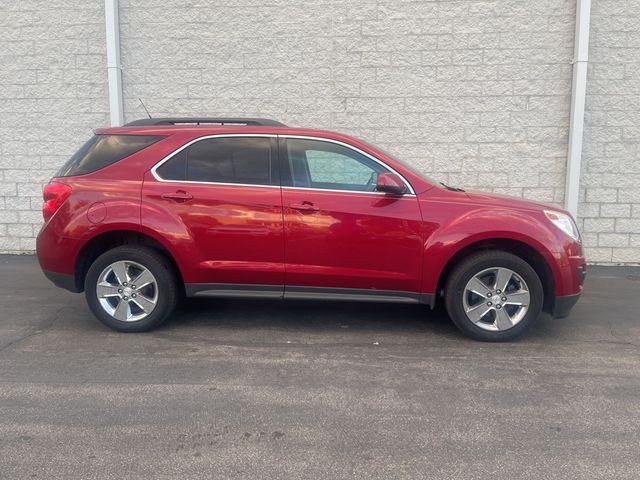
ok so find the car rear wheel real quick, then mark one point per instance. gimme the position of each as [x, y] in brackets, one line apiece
[131, 288]
[493, 296]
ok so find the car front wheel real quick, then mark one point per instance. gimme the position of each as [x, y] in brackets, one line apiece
[131, 288]
[493, 296]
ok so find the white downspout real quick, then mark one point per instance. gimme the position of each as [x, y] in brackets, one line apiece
[114, 68]
[578, 95]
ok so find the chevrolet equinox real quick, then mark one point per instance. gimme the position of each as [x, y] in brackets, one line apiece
[224, 207]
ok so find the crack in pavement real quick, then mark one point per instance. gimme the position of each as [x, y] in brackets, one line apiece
[38, 330]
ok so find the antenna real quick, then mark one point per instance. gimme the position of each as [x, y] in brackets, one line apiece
[145, 108]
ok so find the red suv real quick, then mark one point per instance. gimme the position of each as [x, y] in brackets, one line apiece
[225, 207]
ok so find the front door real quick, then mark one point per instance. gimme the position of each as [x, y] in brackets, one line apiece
[225, 193]
[339, 232]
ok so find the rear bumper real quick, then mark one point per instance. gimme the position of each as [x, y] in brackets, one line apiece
[62, 280]
[57, 257]
[563, 305]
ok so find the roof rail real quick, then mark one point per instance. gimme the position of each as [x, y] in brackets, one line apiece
[264, 122]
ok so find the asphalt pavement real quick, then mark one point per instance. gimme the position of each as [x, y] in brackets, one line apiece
[293, 390]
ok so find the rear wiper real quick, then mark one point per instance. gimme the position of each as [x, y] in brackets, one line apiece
[453, 189]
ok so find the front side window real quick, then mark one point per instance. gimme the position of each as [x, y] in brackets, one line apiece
[325, 165]
[242, 160]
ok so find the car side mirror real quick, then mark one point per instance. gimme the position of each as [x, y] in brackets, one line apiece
[390, 183]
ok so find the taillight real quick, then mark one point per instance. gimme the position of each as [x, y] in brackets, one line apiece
[54, 195]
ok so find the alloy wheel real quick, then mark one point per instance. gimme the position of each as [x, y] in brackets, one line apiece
[127, 291]
[496, 299]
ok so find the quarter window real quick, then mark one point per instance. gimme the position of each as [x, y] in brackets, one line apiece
[244, 160]
[103, 150]
[324, 165]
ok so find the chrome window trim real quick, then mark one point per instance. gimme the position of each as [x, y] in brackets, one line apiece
[168, 157]
[359, 192]
[223, 184]
[267, 135]
[355, 149]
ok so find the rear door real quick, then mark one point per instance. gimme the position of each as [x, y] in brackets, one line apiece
[225, 192]
[339, 232]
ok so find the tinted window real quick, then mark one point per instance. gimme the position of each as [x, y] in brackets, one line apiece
[175, 168]
[245, 160]
[318, 164]
[103, 150]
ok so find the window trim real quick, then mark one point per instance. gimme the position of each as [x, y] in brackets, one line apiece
[410, 191]
[155, 174]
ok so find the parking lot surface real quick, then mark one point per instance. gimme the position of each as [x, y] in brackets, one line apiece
[291, 390]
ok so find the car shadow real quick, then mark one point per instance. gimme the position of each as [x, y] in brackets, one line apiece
[307, 316]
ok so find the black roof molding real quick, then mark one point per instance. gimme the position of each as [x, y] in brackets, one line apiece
[262, 122]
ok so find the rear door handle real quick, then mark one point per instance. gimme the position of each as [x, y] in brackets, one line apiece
[304, 207]
[178, 196]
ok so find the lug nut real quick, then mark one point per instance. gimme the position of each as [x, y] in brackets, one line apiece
[497, 291]
[504, 299]
[125, 297]
[134, 295]
[119, 290]
[498, 306]
[133, 286]
[124, 284]
[489, 304]
[488, 294]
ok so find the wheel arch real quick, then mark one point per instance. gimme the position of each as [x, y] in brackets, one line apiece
[99, 244]
[525, 251]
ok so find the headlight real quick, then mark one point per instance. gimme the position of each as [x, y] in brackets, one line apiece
[564, 222]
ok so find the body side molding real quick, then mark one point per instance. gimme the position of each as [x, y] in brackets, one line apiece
[305, 293]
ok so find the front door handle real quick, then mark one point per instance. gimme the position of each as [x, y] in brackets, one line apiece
[178, 196]
[304, 207]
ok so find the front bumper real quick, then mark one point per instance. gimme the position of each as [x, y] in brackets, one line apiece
[572, 279]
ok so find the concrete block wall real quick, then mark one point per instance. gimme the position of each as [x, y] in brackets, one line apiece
[610, 178]
[53, 92]
[474, 92]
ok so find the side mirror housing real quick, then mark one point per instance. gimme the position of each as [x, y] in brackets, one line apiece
[390, 183]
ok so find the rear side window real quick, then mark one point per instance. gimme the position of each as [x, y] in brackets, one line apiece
[103, 150]
[242, 160]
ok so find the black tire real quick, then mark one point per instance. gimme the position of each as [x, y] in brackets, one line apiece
[160, 268]
[467, 269]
